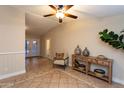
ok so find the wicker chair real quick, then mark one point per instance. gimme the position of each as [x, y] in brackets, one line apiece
[61, 59]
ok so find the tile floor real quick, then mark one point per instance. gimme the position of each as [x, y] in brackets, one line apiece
[41, 74]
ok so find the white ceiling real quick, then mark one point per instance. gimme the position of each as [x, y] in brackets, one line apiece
[37, 24]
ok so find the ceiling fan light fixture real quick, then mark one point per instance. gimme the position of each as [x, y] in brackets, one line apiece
[60, 14]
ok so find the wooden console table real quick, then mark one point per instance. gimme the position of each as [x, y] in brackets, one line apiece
[94, 60]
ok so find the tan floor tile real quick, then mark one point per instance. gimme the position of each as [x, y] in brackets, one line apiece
[22, 85]
[34, 84]
[63, 85]
[63, 81]
[39, 79]
[41, 74]
[53, 85]
[72, 86]
[44, 85]
[84, 86]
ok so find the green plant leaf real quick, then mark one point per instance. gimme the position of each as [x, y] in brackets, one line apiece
[122, 31]
[115, 36]
[102, 38]
[105, 30]
[111, 33]
[100, 33]
[121, 37]
[122, 45]
[112, 39]
[106, 36]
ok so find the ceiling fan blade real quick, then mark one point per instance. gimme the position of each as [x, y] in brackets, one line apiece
[53, 7]
[70, 15]
[60, 20]
[67, 7]
[48, 15]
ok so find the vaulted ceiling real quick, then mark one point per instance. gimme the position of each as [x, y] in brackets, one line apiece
[37, 24]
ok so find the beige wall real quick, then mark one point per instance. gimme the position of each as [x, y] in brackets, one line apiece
[32, 37]
[12, 41]
[85, 33]
[28, 36]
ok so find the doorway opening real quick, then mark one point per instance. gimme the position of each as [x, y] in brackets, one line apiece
[32, 47]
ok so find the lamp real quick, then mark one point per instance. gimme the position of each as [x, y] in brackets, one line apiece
[60, 14]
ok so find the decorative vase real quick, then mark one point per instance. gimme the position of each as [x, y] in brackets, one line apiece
[86, 52]
[77, 50]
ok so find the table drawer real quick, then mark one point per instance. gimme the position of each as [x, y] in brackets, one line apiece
[100, 62]
[106, 63]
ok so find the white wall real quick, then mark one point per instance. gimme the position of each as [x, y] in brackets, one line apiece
[85, 33]
[12, 41]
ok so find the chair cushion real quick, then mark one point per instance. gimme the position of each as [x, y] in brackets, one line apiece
[59, 62]
[59, 55]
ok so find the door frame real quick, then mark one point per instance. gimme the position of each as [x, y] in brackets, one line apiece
[30, 47]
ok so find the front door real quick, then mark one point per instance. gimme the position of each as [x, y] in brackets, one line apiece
[32, 47]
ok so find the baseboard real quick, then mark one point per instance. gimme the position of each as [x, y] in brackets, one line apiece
[33, 56]
[118, 81]
[12, 74]
[6, 53]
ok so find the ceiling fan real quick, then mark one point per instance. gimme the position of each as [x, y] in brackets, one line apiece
[60, 12]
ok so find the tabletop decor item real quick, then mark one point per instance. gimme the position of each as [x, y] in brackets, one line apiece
[78, 50]
[86, 52]
[99, 72]
[101, 57]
